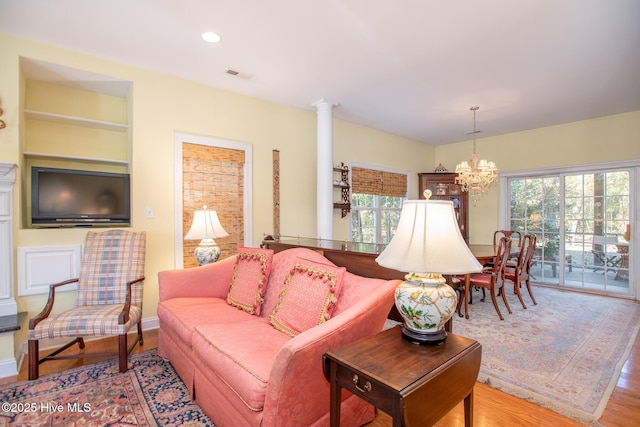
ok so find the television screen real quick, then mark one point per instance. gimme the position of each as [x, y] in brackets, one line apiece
[78, 197]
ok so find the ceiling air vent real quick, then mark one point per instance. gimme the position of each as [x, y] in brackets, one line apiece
[239, 74]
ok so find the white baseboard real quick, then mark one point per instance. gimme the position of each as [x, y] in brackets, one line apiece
[150, 323]
[147, 324]
[8, 368]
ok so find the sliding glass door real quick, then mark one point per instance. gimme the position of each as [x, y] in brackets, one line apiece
[596, 220]
[582, 223]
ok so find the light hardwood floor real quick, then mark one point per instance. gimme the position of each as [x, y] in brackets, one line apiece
[491, 407]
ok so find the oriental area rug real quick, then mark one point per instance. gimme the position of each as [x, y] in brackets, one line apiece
[149, 394]
[565, 354]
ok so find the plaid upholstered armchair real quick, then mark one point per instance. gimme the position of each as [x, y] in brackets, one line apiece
[108, 302]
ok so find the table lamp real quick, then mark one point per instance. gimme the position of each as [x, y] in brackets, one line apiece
[427, 244]
[206, 227]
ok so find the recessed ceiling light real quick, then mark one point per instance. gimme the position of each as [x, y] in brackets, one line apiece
[211, 37]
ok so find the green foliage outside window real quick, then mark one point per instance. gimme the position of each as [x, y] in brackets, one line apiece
[590, 211]
[374, 218]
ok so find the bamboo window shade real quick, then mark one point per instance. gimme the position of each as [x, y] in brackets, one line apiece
[382, 183]
[213, 176]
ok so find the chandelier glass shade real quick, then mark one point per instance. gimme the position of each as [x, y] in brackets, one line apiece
[478, 175]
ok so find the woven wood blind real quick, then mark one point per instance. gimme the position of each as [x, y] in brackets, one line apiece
[381, 183]
[213, 176]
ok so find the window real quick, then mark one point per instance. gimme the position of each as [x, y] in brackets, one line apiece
[582, 221]
[376, 203]
[216, 173]
[213, 176]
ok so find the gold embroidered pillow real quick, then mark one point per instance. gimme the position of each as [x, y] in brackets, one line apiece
[309, 296]
[249, 281]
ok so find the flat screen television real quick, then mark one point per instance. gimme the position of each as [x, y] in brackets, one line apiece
[67, 197]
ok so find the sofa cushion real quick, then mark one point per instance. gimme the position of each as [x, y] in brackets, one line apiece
[182, 315]
[283, 262]
[249, 281]
[242, 355]
[310, 293]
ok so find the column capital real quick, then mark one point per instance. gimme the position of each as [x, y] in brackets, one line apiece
[324, 104]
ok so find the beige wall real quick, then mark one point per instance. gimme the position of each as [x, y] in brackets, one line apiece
[162, 106]
[604, 139]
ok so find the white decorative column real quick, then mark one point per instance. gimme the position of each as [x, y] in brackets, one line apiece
[8, 304]
[324, 163]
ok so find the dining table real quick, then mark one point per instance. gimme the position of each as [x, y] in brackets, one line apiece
[483, 253]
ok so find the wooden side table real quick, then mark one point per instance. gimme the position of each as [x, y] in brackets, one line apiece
[415, 384]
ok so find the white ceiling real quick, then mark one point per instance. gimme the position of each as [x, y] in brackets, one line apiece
[408, 67]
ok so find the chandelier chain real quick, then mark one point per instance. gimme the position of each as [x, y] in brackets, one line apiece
[474, 109]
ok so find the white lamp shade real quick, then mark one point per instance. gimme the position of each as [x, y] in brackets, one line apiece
[428, 240]
[463, 167]
[205, 225]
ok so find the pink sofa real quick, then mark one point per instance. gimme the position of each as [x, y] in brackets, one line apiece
[243, 371]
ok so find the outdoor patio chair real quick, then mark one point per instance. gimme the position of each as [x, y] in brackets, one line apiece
[108, 301]
[610, 261]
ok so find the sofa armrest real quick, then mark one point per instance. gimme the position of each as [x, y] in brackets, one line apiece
[212, 280]
[298, 390]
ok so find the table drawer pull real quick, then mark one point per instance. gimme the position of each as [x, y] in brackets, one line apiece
[367, 385]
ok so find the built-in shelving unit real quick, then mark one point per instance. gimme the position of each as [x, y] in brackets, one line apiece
[73, 119]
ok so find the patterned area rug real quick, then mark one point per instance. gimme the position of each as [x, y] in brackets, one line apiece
[565, 353]
[150, 393]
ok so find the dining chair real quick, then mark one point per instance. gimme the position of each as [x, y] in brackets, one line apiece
[520, 273]
[458, 285]
[513, 235]
[108, 300]
[516, 241]
[493, 279]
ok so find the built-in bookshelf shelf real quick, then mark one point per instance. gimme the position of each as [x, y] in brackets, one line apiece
[75, 121]
[31, 155]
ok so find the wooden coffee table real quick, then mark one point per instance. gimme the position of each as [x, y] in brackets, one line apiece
[415, 384]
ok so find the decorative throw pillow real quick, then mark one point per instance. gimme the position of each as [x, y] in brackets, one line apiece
[249, 281]
[309, 296]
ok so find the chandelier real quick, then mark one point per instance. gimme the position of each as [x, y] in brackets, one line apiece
[476, 176]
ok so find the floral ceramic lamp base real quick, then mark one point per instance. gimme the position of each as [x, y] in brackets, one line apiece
[426, 303]
[207, 252]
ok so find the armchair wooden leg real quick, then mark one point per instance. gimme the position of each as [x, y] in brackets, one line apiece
[34, 371]
[140, 339]
[123, 352]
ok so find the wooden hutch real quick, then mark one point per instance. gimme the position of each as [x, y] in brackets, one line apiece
[443, 186]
